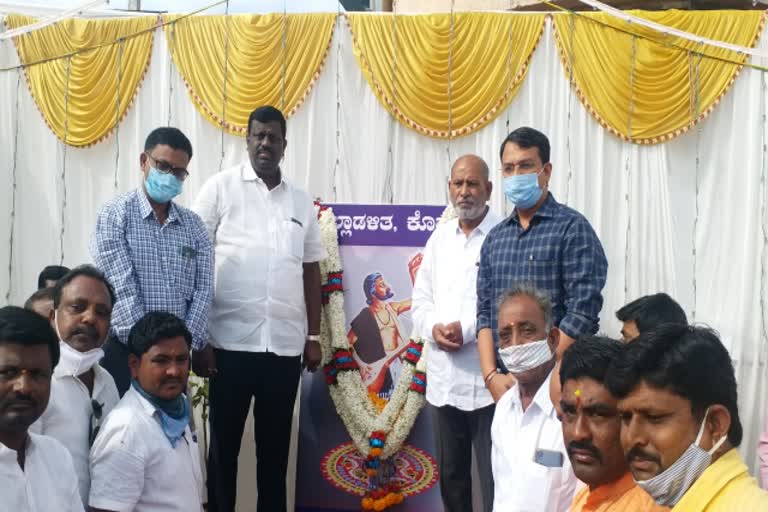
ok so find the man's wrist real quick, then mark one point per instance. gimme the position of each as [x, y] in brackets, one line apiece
[313, 337]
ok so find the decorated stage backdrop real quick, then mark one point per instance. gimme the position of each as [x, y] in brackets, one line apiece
[380, 248]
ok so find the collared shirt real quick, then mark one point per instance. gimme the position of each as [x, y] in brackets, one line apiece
[521, 484]
[48, 481]
[558, 253]
[623, 494]
[135, 468]
[154, 267]
[68, 417]
[262, 238]
[725, 486]
[444, 292]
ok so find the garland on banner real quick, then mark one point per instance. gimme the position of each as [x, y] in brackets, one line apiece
[377, 429]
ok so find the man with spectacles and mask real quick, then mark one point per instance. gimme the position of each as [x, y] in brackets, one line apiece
[156, 253]
[544, 243]
[530, 469]
[81, 391]
[680, 421]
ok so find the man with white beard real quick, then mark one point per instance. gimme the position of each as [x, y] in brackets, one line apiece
[530, 469]
[444, 302]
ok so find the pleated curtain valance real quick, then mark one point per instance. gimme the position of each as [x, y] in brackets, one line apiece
[271, 59]
[645, 86]
[445, 76]
[83, 97]
[442, 75]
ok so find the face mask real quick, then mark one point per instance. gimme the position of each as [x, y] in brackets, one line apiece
[669, 486]
[523, 190]
[521, 358]
[73, 362]
[161, 187]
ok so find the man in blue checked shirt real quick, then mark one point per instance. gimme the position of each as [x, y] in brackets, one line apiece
[542, 243]
[156, 253]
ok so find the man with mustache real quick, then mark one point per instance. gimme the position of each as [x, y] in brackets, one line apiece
[648, 312]
[591, 427]
[680, 421]
[377, 335]
[266, 310]
[145, 458]
[530, 469]
[36, 472]
[82, 392]
[444, 302]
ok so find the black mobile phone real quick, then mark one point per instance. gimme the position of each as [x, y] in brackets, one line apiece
[548, 458]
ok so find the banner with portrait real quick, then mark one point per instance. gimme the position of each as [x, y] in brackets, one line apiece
[380, 248]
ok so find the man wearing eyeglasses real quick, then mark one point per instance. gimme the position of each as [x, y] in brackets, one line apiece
[156, 253]
[81, 391]
[544, 243]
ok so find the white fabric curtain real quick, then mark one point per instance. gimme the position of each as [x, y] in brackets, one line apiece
[667, 224]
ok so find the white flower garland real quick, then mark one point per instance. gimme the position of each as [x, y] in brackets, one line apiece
[377, 434]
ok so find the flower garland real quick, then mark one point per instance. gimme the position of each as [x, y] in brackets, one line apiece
[377, 432]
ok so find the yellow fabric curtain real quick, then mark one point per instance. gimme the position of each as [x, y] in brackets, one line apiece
[83, 109]
[658, 86]
[441, 82]
[258, 70]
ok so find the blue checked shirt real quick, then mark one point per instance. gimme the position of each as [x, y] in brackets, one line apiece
[559, 253]
[153, 267]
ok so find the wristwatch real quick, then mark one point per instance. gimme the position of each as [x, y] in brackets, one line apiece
[313, 337]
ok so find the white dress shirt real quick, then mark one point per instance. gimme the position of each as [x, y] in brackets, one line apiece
[134, 468]
[47, 483]
[444, 292]
[68, 416]
[261, 239]
[520, 484]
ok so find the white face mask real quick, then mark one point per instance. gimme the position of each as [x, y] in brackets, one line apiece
[521, 358]
[74, 362]
[669, 486]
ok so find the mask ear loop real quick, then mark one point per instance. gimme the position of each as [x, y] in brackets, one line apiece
[719, 442]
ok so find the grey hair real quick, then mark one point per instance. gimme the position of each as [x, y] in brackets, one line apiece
[540, 296]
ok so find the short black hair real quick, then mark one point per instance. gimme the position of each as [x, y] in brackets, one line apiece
[267, 114]
[689, 361]
[651, 311]
[41, 294]
[153, 327]
[590, 357]
[526, 137]
[81, 270]
[25, 327]
[50, 273]
[168, 136]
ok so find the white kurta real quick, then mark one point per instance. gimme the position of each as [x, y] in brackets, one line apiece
[520, 484]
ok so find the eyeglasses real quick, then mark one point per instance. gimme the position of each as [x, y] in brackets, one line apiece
[97, 409]
[526, 167]
[164, 167]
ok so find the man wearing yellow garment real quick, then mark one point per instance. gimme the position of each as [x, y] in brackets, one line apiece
[680, 422]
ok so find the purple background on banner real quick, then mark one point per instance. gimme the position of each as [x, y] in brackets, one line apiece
[385, 224]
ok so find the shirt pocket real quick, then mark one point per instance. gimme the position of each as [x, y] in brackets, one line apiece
[184, 268]
[540, 263]
[291, 239]
[537, 482]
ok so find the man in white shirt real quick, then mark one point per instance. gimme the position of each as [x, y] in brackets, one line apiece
[530, 469]
[36, 472]
[145, 458]
[266, 310]
[82, 392]
[444, 301]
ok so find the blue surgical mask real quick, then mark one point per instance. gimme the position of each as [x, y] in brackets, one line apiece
[161, 187]
[523, 190]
